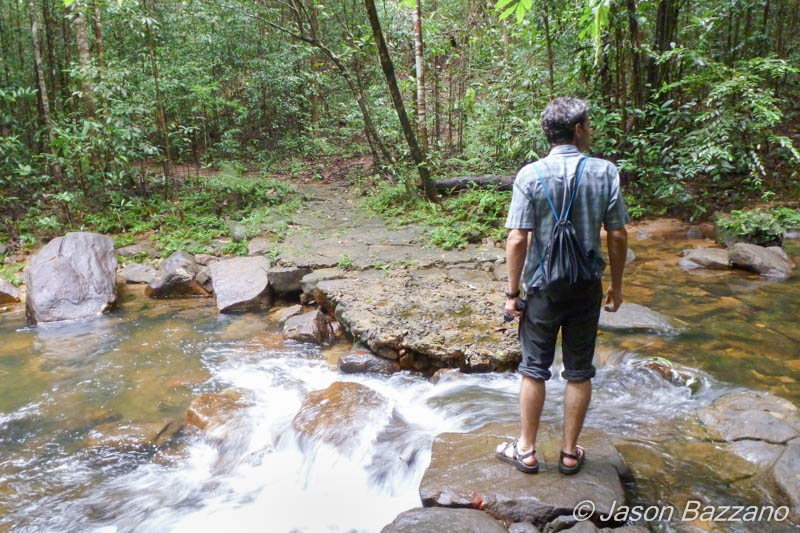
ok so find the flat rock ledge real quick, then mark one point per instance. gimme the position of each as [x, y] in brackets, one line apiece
[465, 473]
[425, 319]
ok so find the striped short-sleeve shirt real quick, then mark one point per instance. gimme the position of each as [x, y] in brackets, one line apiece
[598, 202]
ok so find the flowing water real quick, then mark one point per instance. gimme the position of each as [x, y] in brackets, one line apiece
[62, 386]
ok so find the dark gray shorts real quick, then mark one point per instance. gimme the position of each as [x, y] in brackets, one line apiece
[577, 319]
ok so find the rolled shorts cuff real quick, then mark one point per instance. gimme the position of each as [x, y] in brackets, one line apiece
[578, 375]
[535, 372]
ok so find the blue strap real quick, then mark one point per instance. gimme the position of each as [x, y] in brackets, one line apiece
[575, 189]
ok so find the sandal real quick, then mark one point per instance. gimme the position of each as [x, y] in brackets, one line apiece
[517, 460]
[564, 469]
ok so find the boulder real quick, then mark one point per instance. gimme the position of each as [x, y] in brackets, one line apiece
[139, 248]
[204, 279]
[205, 259]
[786, 475]
[258, 246]
[241, 283]
[72, 277]
[9, 294]
[209, 412]
[751, 415]
[284, 313]
[439, 519]
[314, 326]
[286, 280]
[762, 260]
[464, 472]
[308, 283]
[714, 258]
[361, 361]
[632, 317]
[138, 273]
[175, 278]
[337, 415]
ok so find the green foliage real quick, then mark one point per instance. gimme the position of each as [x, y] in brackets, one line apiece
[760, 226]
[345, 262]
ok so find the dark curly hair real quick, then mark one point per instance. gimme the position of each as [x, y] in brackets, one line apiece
[560, 117]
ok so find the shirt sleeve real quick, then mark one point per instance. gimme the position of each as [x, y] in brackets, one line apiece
[616, 213]
[520, 213]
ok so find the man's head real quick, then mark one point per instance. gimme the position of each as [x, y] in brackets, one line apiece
[566, 121]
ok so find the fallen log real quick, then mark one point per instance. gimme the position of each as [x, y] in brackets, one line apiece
[503, 183]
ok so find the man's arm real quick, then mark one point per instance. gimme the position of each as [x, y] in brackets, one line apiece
[516, 249]
[617, 253]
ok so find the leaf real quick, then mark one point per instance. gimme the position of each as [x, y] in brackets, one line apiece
[501, 4]
[520, 13]
[507, 12]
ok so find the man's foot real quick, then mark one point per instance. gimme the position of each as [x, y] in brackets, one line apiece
[522, 459]
[570, 463]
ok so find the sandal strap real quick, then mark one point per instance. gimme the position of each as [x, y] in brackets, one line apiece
[524, 455]
[570, 455]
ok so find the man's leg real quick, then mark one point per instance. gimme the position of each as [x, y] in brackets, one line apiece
[577, 396]
[531, 403]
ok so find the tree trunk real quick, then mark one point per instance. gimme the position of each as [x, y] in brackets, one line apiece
[397, 100]
[636, 59]
[160, 114]
[51, 60]
[6, 53]
[84, 60]
[765, 29]
[66, 82]
[548, 38]
[37, 59]
[420, 68]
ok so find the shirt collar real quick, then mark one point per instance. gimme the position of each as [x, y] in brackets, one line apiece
[564, 149]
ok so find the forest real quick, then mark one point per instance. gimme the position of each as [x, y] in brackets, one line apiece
[181, 117]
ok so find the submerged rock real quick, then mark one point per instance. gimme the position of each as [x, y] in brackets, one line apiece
[284, 313]
[765, 261]
[337, 415]
[9, 294]
[314, 326]
[213, 412]
[439, 519]
[714, 258]
[632, 316]
[175, 278]
[241, 283]
[73, 276]
[139, 273]
[465, 473]
[129, 436]
[752, 415]
[361, 361]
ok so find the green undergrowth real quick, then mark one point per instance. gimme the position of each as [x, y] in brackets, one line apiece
[470, 216]
[196, 214]
[759, 226]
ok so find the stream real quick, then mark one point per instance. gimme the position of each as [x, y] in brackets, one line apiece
[146, 361]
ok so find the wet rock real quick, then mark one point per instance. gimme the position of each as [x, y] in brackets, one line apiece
[761, 260]
[314, 326]
[241, 283]
[588, 527]
[139, 248]
[204, 279]
[338, 414]
[464, 472]
[258, 246]
[436, 320]
[9, 294]
[285, 280]
[782, 253]
[205, 259]
[175, 278]
[793, 235]
[522, 527]
[694, 232]
[129, 436]
[632, 317]
[284, 313]
[443, 375]
[139, 273]
[208, 412]
[73, 276]
[361, 361]
[439, 519]
[752, 415]
[714, 258]
[786, 475]
[760, 453]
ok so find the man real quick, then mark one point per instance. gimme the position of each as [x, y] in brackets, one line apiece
[597, 201]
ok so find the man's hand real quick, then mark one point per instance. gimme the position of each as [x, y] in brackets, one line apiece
[511, 308]
[614, 297]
